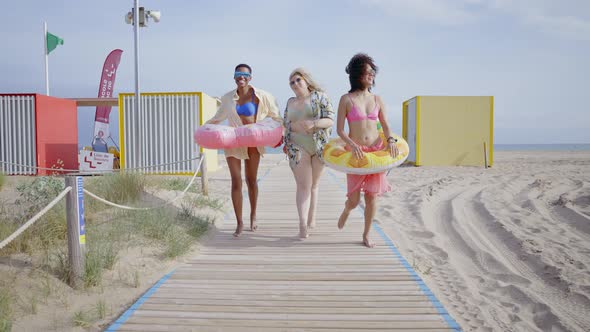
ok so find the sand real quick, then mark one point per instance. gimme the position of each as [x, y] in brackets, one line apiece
[504, 249]
[42, 302]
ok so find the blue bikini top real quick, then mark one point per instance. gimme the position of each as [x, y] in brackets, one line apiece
[247, 109]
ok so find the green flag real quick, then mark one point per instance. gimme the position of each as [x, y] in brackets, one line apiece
[52, 42]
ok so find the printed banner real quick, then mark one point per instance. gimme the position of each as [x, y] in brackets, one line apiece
[105, 90]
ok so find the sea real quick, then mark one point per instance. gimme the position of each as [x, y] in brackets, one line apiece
[497, 147]
[542, 147]
[506, 147]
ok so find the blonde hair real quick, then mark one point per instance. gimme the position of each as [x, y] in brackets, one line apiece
[312, 85]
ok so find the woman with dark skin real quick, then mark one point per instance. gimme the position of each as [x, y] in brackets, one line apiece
[245, 105]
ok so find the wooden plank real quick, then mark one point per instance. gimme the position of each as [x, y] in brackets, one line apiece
[290, 316]
[229, 308]
[333, 284]
[295, 270]
[283, 285]
[170, 292]
[152, 327]
[271, 280]
[96, 101]
[287, 323]
[287, 277]
[268, 296]
[288, 303]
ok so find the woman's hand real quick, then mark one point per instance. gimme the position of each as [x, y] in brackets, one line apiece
[393, 150]
[357, 152]
[302, 127]
[309, 126]
[297, 127]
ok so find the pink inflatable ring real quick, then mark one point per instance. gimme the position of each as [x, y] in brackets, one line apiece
[267, 132]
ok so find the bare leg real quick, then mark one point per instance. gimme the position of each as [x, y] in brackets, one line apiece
[251, 170]
[351, 203]
[317, 168]
[235, 170]
[370, 209]
[303, 178]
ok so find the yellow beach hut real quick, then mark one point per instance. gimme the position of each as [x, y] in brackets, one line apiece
[449, 130]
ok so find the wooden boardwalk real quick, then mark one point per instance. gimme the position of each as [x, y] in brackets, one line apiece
[271, 280]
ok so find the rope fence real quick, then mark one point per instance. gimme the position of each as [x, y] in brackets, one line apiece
[147, 208]
[98, 171]
[35, 218]
[75, 207]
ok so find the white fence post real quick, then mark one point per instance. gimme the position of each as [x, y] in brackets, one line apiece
[76, 229]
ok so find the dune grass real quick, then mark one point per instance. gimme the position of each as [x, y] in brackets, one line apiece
[118, 188]
[49, 231]
[5, 309]
[173, 230]
[172, 183]
[170, 231]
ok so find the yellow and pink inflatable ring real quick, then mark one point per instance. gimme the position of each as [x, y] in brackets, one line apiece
[337, 157]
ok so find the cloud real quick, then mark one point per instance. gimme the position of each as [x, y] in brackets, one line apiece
[568, 19]
[442, 12]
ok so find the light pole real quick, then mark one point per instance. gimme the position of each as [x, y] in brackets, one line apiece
[141, 16]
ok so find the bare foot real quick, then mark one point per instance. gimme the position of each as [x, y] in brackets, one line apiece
[368, 243]
[303, 232]
[342, 219]
[253, 226]
[238, 230]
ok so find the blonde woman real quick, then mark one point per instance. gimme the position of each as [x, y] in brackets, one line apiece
[244, 105]
[308, 120]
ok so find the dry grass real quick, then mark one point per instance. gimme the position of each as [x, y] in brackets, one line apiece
[170, 231]
[6, 300]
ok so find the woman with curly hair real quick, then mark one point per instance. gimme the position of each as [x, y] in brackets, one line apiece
[308, 119]
[363, 109]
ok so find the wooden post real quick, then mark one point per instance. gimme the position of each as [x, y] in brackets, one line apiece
[76, 229]
[485, 155]
[204, 179]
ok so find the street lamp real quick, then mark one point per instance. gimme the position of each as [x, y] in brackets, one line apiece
[139, 14]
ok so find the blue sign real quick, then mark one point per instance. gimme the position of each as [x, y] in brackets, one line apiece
[80, 191]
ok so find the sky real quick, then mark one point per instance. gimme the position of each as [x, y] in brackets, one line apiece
[531, 55]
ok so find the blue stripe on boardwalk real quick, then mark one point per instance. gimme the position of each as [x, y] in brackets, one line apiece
[137, 304]
[439, 307]
[152, 290]
[115, 326]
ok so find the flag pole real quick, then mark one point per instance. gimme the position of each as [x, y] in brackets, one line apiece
[46, 59]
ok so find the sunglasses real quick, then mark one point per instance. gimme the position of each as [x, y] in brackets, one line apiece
[297, 80]
[239, 74]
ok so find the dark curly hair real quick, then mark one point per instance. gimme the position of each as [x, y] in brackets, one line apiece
[243, 65]
[356, 68]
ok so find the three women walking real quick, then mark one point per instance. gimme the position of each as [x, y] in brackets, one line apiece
[308, 119]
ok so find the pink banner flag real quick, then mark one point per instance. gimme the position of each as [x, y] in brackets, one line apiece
[105, 90]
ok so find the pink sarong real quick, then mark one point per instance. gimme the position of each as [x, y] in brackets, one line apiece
[375, 184]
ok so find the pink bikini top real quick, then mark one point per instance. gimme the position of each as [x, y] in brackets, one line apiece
[355, 114]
